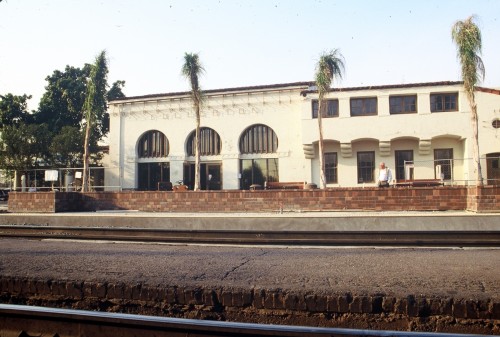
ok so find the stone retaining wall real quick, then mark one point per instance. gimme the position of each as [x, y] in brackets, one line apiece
[485, 199]
[276, 306]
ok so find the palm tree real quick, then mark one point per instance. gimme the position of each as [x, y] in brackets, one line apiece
[95, 104]
[191, 69]
[329, 67]
[467, 36]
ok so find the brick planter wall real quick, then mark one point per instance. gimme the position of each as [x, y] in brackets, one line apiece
[485, 199]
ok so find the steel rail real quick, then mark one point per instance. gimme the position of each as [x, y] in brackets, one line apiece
[254, 237]
[27, 321]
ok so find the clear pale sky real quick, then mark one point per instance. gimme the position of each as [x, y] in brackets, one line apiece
[240, 43]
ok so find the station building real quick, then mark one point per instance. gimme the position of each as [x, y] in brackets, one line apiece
[253, 135]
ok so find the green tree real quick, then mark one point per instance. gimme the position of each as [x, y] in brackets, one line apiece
[24, 146]
[467, 37]
[14, 110]
[94, 108]
[66, 147]
[116, 90]
[329, 67]
[61, 104]
[192, 69]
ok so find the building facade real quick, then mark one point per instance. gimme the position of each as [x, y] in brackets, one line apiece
[254, 135]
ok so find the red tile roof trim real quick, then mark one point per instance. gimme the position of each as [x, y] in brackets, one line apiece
[488, 90]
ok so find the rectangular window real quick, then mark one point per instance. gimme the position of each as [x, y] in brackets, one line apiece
[366, 167]
[403, 158]
[364, 106]
[258, 171]
[403, 104]
[331, 167]
[443, 163]
[330, 108]
[444, 102]
[150, 174]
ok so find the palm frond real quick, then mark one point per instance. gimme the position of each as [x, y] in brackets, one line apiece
[329, 67]
[467, 37]
[192, 69]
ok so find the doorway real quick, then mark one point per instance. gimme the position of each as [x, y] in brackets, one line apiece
[402, 157]
[493, 169]
[210, 176]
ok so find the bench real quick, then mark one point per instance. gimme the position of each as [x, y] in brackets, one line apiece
[418, 182]
[277, 185]
[180, 188]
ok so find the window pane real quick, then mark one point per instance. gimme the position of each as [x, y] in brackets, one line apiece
[443, 158]
[153, 144]
[403, 104]
[258, 139]
[395, 105]
[331, 108]
[272, 169]
[331, 167]
[363, 106]
[356, 107]
[444, 102]
[402, 157]
[315, 107]
[366, 166]
[210, 144]
[258, 171]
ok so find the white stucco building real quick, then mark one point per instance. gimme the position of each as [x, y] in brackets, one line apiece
[270, 133]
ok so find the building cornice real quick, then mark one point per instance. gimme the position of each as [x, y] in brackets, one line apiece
[215, 92]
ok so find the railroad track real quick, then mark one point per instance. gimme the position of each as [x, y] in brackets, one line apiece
[39, 321]
[250, 237]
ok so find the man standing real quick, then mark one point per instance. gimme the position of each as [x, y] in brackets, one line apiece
[384, 176]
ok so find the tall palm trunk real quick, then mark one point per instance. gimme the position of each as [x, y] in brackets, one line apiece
[86, 156]
[330, 66]
[191, 69]
[475, 137]
[95, 101]
[320, 144]
[467, 36]
[197, 150]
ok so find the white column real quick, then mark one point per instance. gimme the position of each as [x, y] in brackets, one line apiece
[231, 174]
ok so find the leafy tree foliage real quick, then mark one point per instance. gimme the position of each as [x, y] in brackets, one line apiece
[25, 146]
[61, 107]
[116, 90]
[67, 146]
[62, 103]
[14, 110]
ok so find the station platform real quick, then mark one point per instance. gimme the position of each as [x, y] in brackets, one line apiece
[289, 221]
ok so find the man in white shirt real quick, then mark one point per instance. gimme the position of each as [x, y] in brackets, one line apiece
[384, 176]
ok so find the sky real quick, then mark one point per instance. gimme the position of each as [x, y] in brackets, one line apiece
[240, 43]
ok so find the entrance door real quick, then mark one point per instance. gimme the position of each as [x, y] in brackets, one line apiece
[150, 174]
[493, 168]
[403, 156]
[214, 177]
[210, 176]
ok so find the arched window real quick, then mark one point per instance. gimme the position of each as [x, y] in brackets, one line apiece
[153, 144]
[210, 144]
[258, 138]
